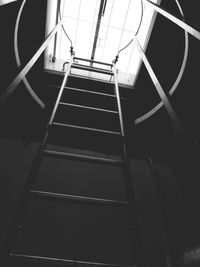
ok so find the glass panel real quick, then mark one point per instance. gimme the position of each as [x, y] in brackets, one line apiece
[105, 20]
[107, 47]
[118, 25]
[71, 8]
[119, 13]
[82, 44]
[79, 22]
[133, 16]
[88, 10]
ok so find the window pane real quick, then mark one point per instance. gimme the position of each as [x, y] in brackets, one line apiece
[126, 54]
[71, 8]
[89, 10]
[70, 27]
[133, 16]
[119, 13]
[83, 39]
[107, 48]
[118, 25]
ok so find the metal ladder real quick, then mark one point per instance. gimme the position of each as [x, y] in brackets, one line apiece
[29, 191]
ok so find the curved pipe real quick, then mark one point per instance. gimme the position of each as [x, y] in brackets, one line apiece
[17, 58]
[178, 79]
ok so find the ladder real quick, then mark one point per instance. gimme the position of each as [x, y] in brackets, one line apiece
[98, 205]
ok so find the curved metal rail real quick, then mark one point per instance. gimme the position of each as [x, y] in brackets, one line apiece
[18, 61]
[21, 75]
[178, 79]
[174, 19]
[171, 112]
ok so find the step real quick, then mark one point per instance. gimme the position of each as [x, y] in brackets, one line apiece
[91, 84]
[89, 91]
[93, 69]
[92, 79]
[79, 199]
[86, 91]
[87, 107]
[99, 100]
[62, 262]
[82, 138]
[85, 128]
[87, 116]
[83, 157]
[83, 90]
[93, 61]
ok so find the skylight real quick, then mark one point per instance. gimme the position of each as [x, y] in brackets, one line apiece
[98, 30]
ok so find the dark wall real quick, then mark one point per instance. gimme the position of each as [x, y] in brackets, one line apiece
[165, 51]
[20, 111]
[156, 135]
[87, 232]
[31, 35]
[16, 159]
[65, 229]
[8, 15]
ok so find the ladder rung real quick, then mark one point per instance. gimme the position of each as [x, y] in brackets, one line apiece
[84, 91]
[83, 157]
[93, 61]
[87, 107]
[62, 262]
[90, 78]
[85, 128]
[88, 91]
[88, 68]
[79, 199]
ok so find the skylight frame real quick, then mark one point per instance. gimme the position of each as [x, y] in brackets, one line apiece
[129, 79]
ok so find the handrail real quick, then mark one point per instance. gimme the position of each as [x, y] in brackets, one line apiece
[12, 86]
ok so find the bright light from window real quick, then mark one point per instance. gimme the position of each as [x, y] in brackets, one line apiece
[119, 23]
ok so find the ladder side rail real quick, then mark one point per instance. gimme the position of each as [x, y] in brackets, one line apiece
[125, 157]
[126, 168]
[26, 192]
[61, 90]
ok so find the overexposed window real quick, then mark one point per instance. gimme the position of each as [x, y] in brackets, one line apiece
[119, 21]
